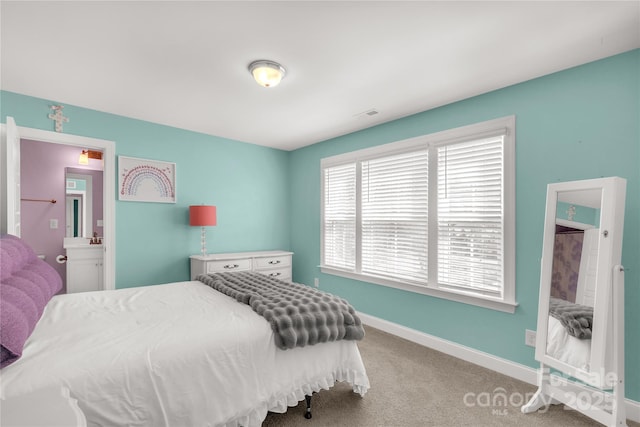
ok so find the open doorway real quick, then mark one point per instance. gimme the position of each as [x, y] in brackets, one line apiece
[51, 172]
[50, 221]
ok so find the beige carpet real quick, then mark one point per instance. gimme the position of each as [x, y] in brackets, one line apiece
[415, 386]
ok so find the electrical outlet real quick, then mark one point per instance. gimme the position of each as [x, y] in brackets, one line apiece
[316, 282]
[53, 224]
[530, 338]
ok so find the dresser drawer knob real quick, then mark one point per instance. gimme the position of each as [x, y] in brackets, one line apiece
[274, 262]
[229, 266]
[275, 274]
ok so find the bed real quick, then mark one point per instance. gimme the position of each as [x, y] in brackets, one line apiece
[172, 354]
[566, 348]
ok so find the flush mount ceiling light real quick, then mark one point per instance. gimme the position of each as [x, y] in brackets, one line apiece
[267, 73]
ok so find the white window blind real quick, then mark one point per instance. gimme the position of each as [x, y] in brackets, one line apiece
[340, 216]
[434, 214]
[470, 216]
[394, 216]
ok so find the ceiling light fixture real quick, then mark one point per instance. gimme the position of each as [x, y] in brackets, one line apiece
[267, 73]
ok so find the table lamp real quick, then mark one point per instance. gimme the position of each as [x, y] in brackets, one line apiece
[202, 216]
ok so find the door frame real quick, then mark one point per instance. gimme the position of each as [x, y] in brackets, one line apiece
[109, 218]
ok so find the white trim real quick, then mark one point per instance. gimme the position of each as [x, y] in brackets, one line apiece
[480, 358]
[437, 292]
[486, 360]
[509, 204]
[480, 130]
[109, 170]
[573, 224]
[397, 147]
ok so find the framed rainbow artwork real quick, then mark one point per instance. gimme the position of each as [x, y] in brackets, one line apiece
[141, 180]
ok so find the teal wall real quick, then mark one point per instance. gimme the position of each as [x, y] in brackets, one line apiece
[248, 183]
[81, 184]
[576, 124]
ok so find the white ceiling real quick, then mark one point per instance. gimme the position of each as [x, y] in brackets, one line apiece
[184, 64]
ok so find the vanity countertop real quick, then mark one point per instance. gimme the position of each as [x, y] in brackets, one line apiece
[79, 242]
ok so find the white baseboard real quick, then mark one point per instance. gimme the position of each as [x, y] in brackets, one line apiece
[480, 358]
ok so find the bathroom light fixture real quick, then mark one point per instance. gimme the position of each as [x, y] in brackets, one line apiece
[267, 73]
[202, 216]
[84, 158]
[89, 154]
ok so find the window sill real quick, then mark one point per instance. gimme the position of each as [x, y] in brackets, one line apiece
[507, 307]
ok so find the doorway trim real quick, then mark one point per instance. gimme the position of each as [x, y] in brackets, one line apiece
[108, 183]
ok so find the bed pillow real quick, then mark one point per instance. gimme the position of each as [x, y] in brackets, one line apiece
[27, 283]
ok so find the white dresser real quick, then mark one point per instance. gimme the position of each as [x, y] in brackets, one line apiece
[272, 263]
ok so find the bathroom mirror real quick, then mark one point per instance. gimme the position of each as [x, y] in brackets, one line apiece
[83, 207]
[78, 205]
[582, 244]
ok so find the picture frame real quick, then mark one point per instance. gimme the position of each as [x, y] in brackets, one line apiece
[144, 180]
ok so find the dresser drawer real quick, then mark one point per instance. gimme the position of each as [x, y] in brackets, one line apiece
[278, 273]
[272, 262]
[225, 266]
[275, 263]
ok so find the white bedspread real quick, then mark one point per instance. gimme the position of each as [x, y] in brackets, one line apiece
[179, 354]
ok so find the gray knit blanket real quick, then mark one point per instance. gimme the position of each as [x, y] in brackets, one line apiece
[577, 319]
[299, 315]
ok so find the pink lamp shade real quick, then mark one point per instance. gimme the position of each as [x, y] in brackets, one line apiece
[202, 216]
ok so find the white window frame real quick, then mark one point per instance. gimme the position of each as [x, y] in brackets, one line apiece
[504, 125]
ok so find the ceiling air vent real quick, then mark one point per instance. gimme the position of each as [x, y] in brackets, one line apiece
[369, 113]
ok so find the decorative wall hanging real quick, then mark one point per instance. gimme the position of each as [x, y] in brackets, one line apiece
[57, 117]
[141, 180]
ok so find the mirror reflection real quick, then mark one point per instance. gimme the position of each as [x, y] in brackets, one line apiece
[573, 279]
[580, 343]
[83, 205]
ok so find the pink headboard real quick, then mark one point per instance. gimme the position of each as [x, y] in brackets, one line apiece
[27, 283]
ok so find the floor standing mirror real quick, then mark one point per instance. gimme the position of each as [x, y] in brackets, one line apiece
[580, 332]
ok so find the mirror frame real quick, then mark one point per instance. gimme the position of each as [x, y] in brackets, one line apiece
[609, 255]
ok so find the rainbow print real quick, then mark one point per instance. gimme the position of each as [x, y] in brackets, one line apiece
[146, 180]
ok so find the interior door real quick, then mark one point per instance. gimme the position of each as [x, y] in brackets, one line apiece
[12, 144]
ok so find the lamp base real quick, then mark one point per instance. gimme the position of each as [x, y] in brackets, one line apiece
[203, 242]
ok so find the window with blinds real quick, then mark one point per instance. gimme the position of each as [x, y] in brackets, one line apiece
[339, 225]
[470, 216]
[394, 216]
[432, 215]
